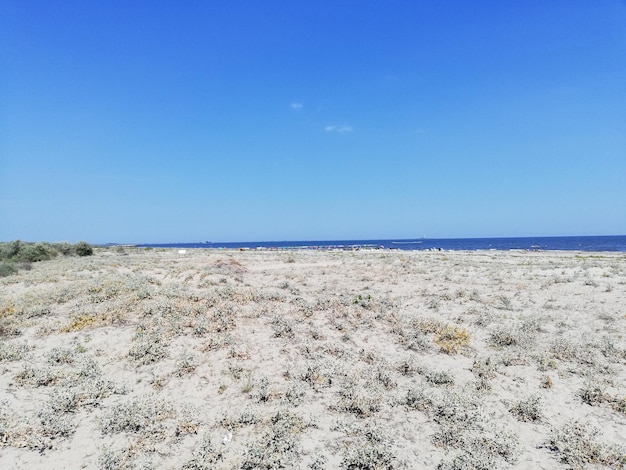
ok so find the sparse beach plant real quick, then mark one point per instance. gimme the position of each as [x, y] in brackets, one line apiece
[408, 367]
[440, 378]
[593, 393]
[11, 351]
[205, 455]
[577, 446]
[148, 347]
[564, 349]
[468, 461]
[317, 374]
[361, 401]
[505, 336]
[60, 355]
[137, 415]
[451, 339]
[481, 444]
[110, 459]
[455, 406]
[528, 410]
[185, 365]
[262, 392]
[485, 368]
[318, 463]
[545, 381]
[278, 446]
[283, 327]
[371, 450]
[37, 377]
[294, 395]
[619, 404]
[426, 325]
[418, 399]
[249, 382]
[385, 377]
[503, 302]
[54, 423]
[80, 322]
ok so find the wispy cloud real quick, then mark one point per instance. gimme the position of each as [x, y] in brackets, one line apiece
[296, 105]
[338, 129]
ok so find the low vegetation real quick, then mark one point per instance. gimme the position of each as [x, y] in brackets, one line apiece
[18, 255]
[141, 359]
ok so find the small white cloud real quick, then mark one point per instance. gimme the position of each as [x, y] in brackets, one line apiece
[296, 105]
[338, 129]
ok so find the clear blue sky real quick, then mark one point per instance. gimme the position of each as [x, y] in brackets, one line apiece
[163, 121]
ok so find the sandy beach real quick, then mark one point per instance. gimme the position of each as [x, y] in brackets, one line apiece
[209, 359]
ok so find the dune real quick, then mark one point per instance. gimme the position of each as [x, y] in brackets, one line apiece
[217, 359]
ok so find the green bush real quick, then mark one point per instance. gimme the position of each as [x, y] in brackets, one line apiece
[10, 250]
[83, 249]
[6, 269]
[18, 251]
[18, 255]
[36, 252]
[64, 248]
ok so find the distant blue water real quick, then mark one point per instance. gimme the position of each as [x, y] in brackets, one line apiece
[599, 243]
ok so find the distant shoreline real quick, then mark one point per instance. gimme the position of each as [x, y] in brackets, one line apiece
[607, 243]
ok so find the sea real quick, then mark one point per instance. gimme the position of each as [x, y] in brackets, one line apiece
[585, 243]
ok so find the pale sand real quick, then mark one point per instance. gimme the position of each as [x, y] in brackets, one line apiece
[314, 360]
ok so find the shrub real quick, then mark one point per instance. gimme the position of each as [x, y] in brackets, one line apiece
[484, 368]
[278, 447]
[116, 460]
[362, 401]
[148, 347]
[55, 424]
[593, 394]
[10, 250]
[205, 456]
[7, 268]
[37, 377]
[59, 355]
[369, 452]
[185, 364]
[527, 410]
[24, 253]
[139, 415]
[283, 327]
[466, 460]
[83, 249]
[440, 378]
[35, 252]
[619, 404]
[64, 248]
[317, 375]
[417, 399]
[13, 351]
[577, 446]
[456, 407]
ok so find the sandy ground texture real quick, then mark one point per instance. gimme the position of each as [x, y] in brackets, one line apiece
[140, 359]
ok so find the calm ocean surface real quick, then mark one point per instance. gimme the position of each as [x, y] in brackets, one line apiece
[600, 243]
